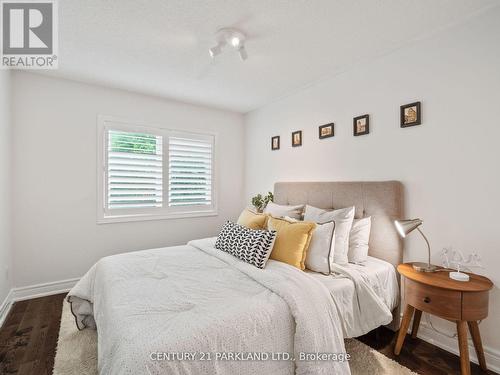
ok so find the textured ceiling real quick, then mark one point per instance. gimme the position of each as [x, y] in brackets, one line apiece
[159, 47]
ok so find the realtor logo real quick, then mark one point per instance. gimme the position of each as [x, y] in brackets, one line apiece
[29, 34]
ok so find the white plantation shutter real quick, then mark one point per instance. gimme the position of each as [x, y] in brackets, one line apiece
[134, 170]
[153, 173]
[190, 171]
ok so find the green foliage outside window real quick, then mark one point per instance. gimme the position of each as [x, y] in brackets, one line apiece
[137, 143]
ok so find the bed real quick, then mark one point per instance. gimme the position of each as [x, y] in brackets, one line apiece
[193, 309]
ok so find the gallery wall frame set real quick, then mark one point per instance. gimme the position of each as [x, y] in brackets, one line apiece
[410, 115]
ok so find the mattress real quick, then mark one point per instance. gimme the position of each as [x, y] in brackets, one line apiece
[379, 274]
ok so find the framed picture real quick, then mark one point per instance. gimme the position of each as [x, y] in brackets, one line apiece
[275, 143]
[361, 125]
[411, 115]
[326, 131]
[297, 138]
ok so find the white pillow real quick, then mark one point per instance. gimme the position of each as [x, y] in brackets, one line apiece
[343, 222]
[278, 210]
[321, 249]
[320, 253]
[358, 240]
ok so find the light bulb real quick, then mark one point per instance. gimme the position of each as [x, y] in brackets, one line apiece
[235, 41]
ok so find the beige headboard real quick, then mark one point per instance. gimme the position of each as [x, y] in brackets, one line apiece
[383, 201]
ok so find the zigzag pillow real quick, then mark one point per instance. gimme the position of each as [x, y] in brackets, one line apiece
[249, 245]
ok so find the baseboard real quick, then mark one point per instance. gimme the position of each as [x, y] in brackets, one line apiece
[426, 333]
[5, 307]
[34, 291]
[42, 290]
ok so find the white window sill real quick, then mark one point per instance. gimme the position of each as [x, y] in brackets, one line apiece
[149, 217]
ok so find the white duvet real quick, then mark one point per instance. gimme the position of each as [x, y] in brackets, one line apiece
[364, 310]
[202, 311]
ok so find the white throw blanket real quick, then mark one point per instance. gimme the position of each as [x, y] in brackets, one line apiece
[193, 299]
[368, 310]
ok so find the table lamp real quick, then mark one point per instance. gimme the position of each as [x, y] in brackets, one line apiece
[404, 227]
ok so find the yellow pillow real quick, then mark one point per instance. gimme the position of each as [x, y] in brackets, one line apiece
[252, 220]
[292, 240]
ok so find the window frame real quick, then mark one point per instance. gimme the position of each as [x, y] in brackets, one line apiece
[106, 216]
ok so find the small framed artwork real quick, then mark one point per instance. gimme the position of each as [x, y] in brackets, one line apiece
[275, 143]
[410, 115]
[297, 138]
[326, 131]
[361, 125]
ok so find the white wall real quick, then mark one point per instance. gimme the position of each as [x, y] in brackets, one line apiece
[5, 161]
[55, 234]
[449, 165]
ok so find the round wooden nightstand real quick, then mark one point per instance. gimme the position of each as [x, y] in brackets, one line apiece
[462, 302]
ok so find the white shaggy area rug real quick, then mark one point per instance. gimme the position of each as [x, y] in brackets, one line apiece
[77, 353]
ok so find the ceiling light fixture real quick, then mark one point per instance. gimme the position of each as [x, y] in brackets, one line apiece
[232, 37]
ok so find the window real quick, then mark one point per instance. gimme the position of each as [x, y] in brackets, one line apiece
[150, 173]
[190, 172]
[134, 170]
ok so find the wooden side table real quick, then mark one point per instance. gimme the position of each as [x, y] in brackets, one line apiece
[461, 302]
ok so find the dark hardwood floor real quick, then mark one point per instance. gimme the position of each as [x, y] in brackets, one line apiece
[28, 337]
[418, 355]
[28, 340]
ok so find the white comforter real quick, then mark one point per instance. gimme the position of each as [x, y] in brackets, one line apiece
[188, 300]
[365, 310]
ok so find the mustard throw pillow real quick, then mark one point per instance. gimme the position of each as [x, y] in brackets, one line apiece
[252, 220]
[292, 240]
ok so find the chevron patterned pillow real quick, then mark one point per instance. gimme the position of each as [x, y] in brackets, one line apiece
[249, 245]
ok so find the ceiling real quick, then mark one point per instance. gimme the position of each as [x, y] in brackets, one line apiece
[160, 47]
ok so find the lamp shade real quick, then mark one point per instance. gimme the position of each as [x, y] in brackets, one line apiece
[406, 226]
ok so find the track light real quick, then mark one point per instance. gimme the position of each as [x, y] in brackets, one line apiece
[243, 53]
[214, 51]
[229, 37]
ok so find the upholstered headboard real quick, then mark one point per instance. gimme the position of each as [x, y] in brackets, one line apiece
[383, 201]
